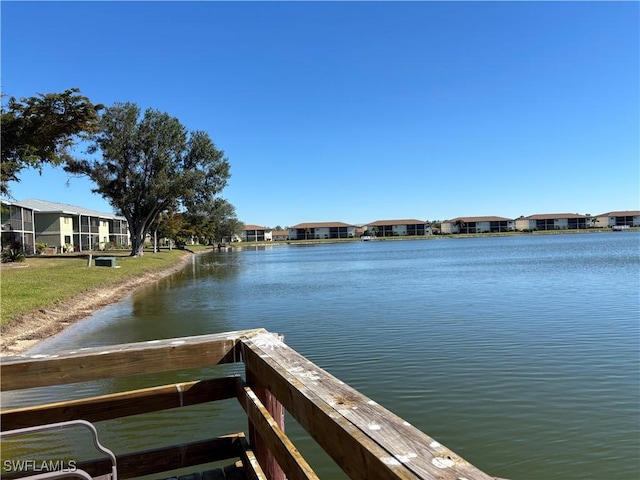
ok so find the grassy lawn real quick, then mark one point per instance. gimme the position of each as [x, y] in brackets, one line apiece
[40, 282]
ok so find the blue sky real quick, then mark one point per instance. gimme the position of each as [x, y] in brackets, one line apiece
[360, 111]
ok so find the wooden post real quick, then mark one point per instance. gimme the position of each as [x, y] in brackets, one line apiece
[265, 458]
[367, 441]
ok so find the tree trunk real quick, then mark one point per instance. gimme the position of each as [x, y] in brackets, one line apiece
[137, 242]
[138, 228]
[155, 240]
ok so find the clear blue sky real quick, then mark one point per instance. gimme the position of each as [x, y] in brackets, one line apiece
[360, 111]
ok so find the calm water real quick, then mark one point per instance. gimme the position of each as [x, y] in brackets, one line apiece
[522, 354]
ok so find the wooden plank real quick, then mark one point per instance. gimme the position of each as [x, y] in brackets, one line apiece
[235, 471]
[170, 458]
[265, 456]
[117, 405]
[95, 363]
[358, 455]
[163, 459]
[252, 468]
[290, 460]
[320, 402]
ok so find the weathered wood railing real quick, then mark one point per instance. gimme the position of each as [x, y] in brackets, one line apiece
[367, 441]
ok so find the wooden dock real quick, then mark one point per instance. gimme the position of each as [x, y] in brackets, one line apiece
[367, 441]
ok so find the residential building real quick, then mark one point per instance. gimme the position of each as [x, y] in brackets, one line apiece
[629, 218]
[280, 235]
[554, 221]
[119, 231]
[72, 228]
[477, 225]
[399, 228]
[321, 230]
[17, 226]
[256, 233]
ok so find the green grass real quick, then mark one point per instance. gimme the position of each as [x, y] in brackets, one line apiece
[41, 282]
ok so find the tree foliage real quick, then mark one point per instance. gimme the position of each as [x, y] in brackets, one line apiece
[43, 129]
[223, 216]
[171, 224]
[210, 222]
[460, 224]
[150, 164]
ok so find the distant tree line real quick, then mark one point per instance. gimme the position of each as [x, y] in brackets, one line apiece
[159, 176]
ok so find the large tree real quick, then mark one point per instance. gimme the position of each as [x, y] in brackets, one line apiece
[171, 225]
[223, 216]
[213, 220]
[149, 164]
[43, 129]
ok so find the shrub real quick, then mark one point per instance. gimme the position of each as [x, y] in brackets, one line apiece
[15, 253]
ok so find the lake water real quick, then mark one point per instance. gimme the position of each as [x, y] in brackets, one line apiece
[521, 354]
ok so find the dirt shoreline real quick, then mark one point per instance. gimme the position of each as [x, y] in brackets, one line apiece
[28, 329]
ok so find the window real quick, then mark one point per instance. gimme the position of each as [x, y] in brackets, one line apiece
[16, 217]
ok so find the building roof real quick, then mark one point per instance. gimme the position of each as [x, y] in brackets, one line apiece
[478, 219]
[321, 225]
[553, 216]
[411, 221]
[254, 227]
[44, 206]
[280, 233]
[623, 213]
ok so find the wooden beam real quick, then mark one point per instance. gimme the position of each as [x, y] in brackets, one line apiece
[252, 468]
[290, 460]
[365, 439]
[117, 405]
[265, 456]
[164, 459]
[95, 363]
[354, 452]
[236, 471]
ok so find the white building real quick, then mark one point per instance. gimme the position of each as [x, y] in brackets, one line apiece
[399, 228]
[322, 230]
[554, 221]
[477, 225]
[629, 218]
[72, 228]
